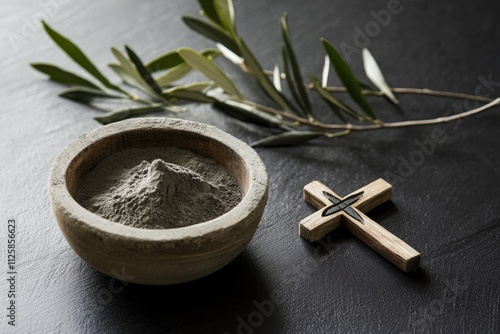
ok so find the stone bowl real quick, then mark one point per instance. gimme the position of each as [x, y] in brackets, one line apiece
[159, 256]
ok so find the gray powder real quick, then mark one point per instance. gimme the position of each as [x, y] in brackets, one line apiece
[158, 188]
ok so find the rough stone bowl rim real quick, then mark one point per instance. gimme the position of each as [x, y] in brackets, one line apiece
[61, 197]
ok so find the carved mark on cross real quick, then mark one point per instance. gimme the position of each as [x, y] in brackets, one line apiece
[349, 212]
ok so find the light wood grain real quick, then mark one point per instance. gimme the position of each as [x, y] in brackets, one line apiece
[375, 193]
[315, 226]
[383, 242]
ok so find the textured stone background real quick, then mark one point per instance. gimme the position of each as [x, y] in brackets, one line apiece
[446, 207]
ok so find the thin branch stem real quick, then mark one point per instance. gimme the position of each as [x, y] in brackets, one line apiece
[418, 91]
[446, 119]
[380, 125]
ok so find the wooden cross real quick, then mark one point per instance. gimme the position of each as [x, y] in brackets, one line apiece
[349, 212]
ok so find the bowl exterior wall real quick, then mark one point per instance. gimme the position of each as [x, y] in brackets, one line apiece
[160, 263]
[158, 257]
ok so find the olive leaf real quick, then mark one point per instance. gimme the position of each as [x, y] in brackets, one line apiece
[289, 80]
[233, 57]
[124, 75]
[85, 94]
[74, 52]
[220, 12]
[256, 70]
[193, 92]
[288, 138]
[335, 104]
[326, 72]
[146, 76]
[208, 10]
[172, 59]
[348, 79]
[121, 114]
[292, 70]
[173, 74]
[212, 32]
[60, 75]
[225, 13]
[248, 113]
[244, 111]
[375, 75]
[181, 70]
[210, 53]
[210, 69]
[277, 78]
[164, 62]
[129, 73]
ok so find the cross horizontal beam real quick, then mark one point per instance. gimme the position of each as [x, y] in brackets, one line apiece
[313, 229]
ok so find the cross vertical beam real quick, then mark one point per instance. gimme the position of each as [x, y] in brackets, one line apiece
[317, 225]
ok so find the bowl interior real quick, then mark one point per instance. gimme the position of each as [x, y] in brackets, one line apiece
[94, 153]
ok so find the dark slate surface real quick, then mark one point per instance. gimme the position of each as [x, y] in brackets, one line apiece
[446, 207]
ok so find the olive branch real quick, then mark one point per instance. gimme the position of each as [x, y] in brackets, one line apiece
[152, 85]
